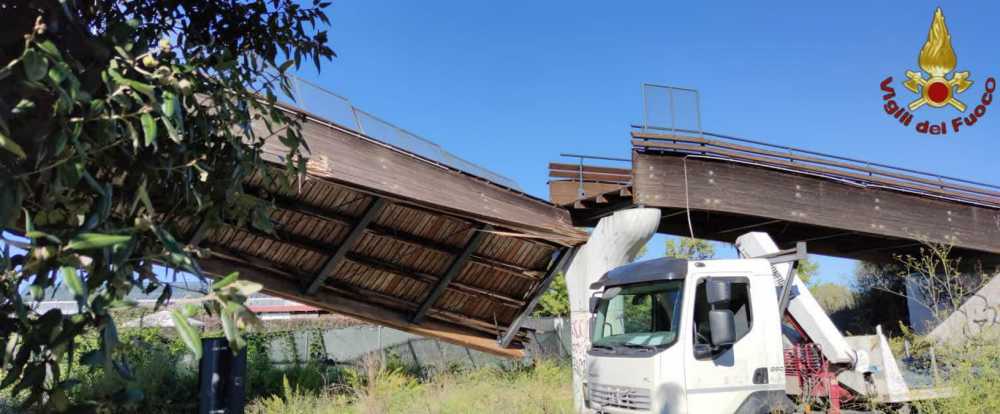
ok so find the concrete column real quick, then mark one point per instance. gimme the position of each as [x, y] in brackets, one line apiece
[979, 315]
[614, 242]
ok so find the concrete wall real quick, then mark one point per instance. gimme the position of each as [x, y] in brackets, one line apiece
[979, 315]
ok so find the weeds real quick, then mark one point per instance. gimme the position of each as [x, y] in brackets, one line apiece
[541, 388]
[972, 375]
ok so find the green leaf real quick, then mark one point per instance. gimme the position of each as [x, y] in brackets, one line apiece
[11, 146]
[35, 65]
[85, 241]
[246, 288]
[172, 131]
[226, 281]
[143, 196]
[286, 65]
[73, 282]
[42, 235]
[148, 127]
[49, 48]
[189, 336]
[140, 87]
[230, 329]
[58, 74]
[171, 104]
[23, 106]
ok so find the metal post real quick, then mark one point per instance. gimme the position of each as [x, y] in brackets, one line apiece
[559, 261]
[222, 378]
[934, 367]
[786, 291]
[357, 120]
[697, 108]
[381, 350]
[645, 109]
[582, 192]
[673, 115]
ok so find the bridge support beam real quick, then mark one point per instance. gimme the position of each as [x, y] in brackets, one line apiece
[453, 270]
[352, 238]
[280, 285]
[557, 265]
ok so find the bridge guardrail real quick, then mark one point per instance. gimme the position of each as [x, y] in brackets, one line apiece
[671, 118]
[815, 162]
[338, 109]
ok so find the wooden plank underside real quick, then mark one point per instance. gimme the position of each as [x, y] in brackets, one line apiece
[351, 159]
[345, 246]
[566, 192]
[456, 266]
[278, 286]
[762, 192]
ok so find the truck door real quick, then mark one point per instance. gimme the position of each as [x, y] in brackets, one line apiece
[719, 380]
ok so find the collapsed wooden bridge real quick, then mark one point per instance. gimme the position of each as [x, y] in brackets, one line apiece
[392, 234]
[384, 235]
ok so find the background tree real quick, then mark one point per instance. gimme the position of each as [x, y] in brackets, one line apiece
[690, 249]
[832, 297]
[119, 120]
[806, 270]
[555, 301]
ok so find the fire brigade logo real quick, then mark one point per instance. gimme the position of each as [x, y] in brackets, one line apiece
[936, 85]
[937, 58]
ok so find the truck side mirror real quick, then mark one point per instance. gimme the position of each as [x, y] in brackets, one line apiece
[722, 324]
[594, 303]
[718, 291]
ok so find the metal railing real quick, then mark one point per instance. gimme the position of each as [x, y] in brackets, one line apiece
[670, 107]
[872, 169]
[581, 192]
[675, 111]
[339, 110]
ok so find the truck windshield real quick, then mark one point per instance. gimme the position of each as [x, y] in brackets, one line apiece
[640, 316]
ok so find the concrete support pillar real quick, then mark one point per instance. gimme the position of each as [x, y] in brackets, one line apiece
[614, 242]
[979, 315]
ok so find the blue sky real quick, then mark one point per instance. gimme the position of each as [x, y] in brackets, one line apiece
[510, 85]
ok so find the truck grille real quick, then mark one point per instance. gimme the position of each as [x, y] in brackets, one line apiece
[608, 396]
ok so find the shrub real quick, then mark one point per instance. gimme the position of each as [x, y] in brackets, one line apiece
[972, 374]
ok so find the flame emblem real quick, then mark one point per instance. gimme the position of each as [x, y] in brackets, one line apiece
[937, 59]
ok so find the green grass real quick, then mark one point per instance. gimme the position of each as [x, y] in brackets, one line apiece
[542, 388]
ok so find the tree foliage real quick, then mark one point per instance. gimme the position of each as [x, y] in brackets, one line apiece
[120, 120]
[690, 249]
[832, 297]
[806, 270]
[555, 301]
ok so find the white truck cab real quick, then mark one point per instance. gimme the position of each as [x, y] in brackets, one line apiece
[726, 336]
[679, 336]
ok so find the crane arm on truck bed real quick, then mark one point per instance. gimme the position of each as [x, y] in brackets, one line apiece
[802, 306]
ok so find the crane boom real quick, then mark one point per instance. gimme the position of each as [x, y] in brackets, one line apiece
[802, 306]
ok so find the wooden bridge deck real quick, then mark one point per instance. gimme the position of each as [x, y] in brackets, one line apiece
[845, 209]
[385, 236]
